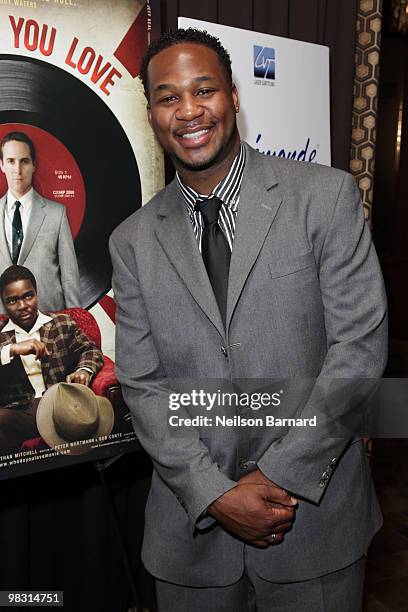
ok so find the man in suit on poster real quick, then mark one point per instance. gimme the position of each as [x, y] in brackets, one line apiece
[34, 231]
[36, 351]
[254, 267]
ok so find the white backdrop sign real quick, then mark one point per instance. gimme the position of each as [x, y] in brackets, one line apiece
[283, 87]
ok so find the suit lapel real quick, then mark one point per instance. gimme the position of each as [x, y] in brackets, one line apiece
[45, 336]
[36, 220]
[3, 241]
[176, 236]
[259, 202]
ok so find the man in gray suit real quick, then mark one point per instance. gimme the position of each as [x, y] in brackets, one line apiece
[34, 231]
[253, 267]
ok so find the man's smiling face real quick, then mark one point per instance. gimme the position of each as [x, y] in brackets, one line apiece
[192, 107]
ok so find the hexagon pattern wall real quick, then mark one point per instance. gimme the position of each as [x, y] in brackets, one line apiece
[363, 136]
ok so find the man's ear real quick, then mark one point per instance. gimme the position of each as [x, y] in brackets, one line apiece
[235, 98]
[2, 166]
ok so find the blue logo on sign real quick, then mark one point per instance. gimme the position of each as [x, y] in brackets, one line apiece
[264, 62]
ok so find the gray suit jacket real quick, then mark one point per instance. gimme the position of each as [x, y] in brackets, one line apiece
[48, 251]
[305, 301]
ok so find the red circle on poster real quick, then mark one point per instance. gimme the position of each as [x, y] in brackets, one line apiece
[57, 175]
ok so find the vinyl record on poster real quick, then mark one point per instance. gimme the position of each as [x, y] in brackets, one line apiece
[85, 151]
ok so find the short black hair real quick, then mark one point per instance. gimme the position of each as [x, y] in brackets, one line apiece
[189, 35]
[20, 137]
[16, 273]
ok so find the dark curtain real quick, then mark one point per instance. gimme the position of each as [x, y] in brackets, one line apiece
[325, 22]
[56, 532]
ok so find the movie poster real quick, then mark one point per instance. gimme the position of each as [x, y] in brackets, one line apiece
[69, 80]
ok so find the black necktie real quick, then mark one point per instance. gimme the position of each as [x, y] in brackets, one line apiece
[17, 238]
[215, 251]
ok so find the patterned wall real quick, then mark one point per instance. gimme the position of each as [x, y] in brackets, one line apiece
[363, 136]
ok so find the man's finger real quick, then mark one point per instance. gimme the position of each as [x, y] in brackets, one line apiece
[259, 543]
[283, 528]
[278, 517]
[38, 350]
[277, 495]
[270, 540]
[275, 538]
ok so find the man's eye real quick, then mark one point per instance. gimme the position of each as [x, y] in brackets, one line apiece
[205, 92]
[168, 99]
[11, 301]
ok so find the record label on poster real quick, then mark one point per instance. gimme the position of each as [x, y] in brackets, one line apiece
[79, 86]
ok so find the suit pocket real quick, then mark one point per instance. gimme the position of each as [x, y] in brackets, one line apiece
[291, 265]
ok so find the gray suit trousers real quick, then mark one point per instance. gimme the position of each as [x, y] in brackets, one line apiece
[340, 591]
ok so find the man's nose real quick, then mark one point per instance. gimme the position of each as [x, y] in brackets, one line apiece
[17, 167]
[189, 108]
[21, 304]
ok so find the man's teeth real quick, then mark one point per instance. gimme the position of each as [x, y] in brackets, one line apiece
[193, 135]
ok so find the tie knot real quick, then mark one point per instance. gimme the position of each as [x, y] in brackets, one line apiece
[17, 204]
[209, 209]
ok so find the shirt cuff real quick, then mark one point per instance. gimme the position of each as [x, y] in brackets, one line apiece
[5, 356]
[204, 521]
[91, 372]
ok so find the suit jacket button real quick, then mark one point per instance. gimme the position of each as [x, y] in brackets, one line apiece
[224, 352]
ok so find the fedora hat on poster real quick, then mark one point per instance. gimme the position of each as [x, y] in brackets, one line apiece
[69, 413]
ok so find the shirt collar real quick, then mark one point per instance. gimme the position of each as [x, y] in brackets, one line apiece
[42, 319]
[26, 200]
[227, 190]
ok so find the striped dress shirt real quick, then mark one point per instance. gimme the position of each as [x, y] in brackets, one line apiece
[228, 191]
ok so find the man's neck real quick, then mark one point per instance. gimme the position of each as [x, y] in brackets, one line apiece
[17, 196]
[27, 330]
[204, 181]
